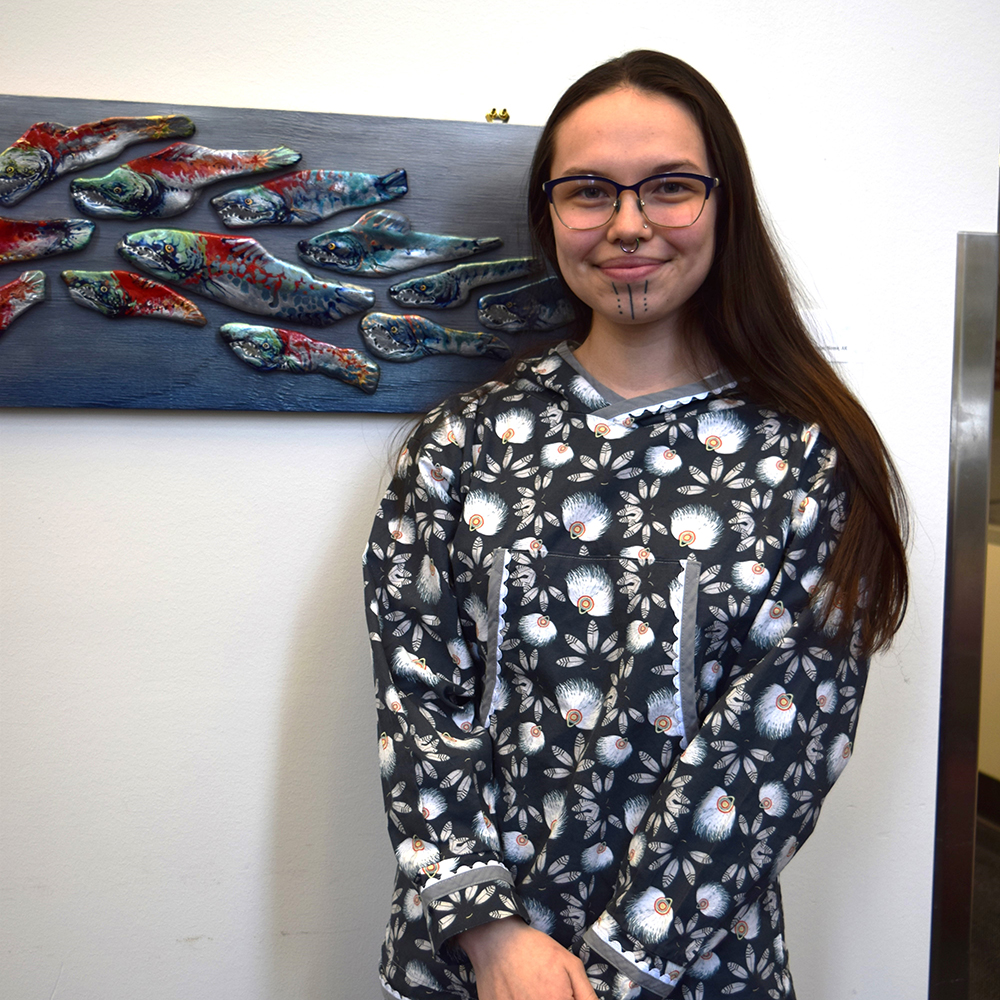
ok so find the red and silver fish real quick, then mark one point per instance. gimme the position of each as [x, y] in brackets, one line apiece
[273, 349]
[122, 293]
[48, 150]
[28, 239]
[22, 293]
[169, 182]
[241, 273]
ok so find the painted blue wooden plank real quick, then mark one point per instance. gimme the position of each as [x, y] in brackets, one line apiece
[464, 178]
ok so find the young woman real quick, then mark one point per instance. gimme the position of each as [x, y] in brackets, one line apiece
[621, 601]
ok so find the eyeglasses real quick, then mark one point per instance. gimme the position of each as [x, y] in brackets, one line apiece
[671, 201]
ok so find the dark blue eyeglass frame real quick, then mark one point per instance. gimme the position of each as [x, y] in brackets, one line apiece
[709, 182]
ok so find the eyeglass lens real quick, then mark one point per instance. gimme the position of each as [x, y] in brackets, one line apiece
[588, 203]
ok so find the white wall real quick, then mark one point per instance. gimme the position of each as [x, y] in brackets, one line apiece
[189, 791]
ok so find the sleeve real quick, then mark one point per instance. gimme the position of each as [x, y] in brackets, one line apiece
[435, 754]
[746, 792]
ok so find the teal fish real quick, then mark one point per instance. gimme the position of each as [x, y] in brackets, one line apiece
[306, 196]
[49, 150]
[539, 305]
[382, 242]
[169, 182]
[407, 338]
[273, 349]
[450, 289]
[240, 272]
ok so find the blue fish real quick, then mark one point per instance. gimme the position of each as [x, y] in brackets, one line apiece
[240, 272]
[306, 196]
[539, 305]
[450, 289]
[407, 338]
[382, 242]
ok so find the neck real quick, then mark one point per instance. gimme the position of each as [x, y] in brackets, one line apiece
[636, 360]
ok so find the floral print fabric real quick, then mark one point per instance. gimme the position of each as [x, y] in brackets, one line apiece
[605, 702]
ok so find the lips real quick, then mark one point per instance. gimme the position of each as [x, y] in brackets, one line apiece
[630, 268]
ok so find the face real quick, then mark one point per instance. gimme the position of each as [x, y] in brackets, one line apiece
[627, 135]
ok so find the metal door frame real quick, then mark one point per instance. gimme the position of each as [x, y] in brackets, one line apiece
[965, 582]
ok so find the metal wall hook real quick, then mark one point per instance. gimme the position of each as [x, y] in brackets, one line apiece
[497, 116]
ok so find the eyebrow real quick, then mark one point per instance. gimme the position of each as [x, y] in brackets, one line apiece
[675, 166]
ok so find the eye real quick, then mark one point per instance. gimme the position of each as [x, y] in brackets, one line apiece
[589, 191]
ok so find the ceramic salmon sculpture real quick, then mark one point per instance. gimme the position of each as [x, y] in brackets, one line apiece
[28, 239]
[407, 338]
[381, 242]
[22, 293]
[49, 150]
[539, 305]
[169, 182]
[273, 349]
[450, 289]
[306, 196]
[121, 293]
[240, 272]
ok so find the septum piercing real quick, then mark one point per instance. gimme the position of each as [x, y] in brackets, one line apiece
[625, 249]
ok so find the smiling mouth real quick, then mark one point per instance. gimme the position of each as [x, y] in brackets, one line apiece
[630, 262]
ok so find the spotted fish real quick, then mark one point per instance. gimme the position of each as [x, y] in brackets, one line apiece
[407, 338]
[306, 196]
[272, 349]
[240, 272]
[450, 289]
[539, 305]
[22, 293]
[169, 182]
[381, 242]
[122, 293]
[28, 240]
[48, 150]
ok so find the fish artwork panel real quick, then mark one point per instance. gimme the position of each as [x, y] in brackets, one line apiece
[382, 242]
[29, 239]
[538, 306]
[22, 293]
[273, 349]
[49, 150]
[169, 182]
[307, 196]
[408, 338]
[451, 289]
[118, 294]
[238, 271]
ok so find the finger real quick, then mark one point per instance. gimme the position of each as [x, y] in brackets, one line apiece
[582, 990]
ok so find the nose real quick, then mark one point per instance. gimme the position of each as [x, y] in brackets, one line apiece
[628, 222]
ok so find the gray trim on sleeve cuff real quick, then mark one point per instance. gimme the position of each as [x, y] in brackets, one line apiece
[485, 873]
[625, 967]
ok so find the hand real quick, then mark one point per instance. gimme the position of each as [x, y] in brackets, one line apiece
[515, 962]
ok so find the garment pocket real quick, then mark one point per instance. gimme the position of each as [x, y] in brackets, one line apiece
[578, 630]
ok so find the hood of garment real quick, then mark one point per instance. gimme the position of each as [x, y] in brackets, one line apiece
[559, 372]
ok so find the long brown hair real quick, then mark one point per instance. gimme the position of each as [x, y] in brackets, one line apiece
[745, 315]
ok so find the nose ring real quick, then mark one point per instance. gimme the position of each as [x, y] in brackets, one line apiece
[625, 249]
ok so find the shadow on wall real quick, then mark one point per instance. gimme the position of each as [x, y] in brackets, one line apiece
[332, 863]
